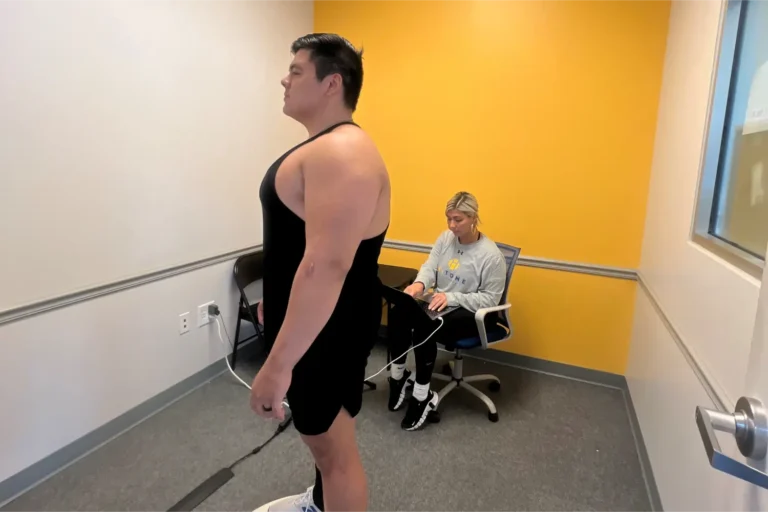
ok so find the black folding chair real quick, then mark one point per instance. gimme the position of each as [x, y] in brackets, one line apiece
[248, 269]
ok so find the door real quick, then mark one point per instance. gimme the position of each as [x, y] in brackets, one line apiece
[748, 423]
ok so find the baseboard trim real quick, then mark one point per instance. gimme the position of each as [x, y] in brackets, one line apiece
[597, 377]
[569, 371]
[37, 473]
[645, 460]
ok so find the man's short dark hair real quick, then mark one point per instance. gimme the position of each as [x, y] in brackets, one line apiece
[331, 53]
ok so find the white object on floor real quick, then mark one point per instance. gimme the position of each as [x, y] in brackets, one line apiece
[298, 503]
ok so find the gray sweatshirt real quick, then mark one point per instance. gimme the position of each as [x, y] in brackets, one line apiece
[471, 275]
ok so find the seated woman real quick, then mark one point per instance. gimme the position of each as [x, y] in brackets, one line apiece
[465, 269]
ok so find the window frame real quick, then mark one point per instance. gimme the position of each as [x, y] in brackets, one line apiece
[710, 180]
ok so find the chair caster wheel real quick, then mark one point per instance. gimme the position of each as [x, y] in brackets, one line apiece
[433, 417]
[493, 416]
[447, 370]
[494, 386]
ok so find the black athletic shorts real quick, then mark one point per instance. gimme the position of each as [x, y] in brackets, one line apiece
[331, 373]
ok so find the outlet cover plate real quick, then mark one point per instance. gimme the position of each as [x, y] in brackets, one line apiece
[184, 323]
[202, 313]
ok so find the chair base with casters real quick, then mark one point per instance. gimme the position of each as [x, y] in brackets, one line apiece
[455, 378]
[454, 370]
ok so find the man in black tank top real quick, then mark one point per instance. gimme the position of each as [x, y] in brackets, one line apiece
[326, 211]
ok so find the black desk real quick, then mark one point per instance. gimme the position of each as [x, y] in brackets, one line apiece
[397, 277]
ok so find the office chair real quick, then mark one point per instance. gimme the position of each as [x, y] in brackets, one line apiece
[453, 371]
[248, 269]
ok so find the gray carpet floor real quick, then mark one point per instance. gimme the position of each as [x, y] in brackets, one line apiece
[560, 444]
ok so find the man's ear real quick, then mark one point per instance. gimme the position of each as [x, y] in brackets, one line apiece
[335, 84]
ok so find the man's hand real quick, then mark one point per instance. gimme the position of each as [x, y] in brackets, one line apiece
[260, 312]
[415, 289]
[268, 390]
[438, 302]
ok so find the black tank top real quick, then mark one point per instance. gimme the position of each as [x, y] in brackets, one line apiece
[284, 244]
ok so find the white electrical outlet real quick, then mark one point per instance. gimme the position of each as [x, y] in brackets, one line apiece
[184, 323]
[202, 313]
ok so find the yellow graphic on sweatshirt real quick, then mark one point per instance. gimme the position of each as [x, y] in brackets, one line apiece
[453, 264]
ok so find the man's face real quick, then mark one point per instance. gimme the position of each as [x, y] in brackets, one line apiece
[304, 94]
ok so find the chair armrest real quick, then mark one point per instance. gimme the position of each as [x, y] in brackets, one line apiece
[480, 320]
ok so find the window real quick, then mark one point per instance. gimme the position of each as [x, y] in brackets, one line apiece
[732, 212]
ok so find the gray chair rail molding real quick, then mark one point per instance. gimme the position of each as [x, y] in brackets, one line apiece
[720, 400]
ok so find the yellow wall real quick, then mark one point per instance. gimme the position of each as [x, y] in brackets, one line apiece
[544, 110]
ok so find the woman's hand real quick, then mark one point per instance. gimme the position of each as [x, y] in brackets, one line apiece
[415, 289]
[260, 312]
[438, 302]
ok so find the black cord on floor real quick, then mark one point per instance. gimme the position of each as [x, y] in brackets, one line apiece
[200, 493]
[284, 425]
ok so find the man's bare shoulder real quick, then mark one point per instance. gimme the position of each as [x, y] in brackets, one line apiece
[347, 149]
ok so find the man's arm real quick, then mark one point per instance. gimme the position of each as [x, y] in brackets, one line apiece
[340, 197]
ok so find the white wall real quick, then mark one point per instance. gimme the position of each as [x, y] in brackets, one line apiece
[134, 135]
[665, 393]
[67, 372]
[711, 304]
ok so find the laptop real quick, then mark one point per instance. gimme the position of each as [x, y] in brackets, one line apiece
[417, 307]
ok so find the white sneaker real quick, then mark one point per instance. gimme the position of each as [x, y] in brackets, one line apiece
[298, 503]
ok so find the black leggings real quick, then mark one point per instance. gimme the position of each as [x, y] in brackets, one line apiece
[458, 324]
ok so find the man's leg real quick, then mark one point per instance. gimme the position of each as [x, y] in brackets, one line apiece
[344, 485]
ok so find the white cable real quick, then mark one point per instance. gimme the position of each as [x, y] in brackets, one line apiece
[406, 352]
[226, 357]
[218, 327]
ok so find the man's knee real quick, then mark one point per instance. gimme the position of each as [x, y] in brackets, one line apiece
[326, 459]
[336, 448]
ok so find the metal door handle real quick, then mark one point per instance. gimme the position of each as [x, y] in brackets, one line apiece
[749, 425]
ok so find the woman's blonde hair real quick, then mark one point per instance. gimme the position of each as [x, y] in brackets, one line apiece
[466, 203]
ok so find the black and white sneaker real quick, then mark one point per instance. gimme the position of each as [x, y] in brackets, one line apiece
[399, 390]
[418, 411]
